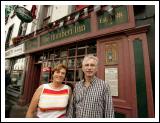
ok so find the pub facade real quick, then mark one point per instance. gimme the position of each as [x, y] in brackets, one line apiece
[113, 35]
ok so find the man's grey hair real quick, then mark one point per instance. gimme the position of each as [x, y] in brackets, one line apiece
[90, 56]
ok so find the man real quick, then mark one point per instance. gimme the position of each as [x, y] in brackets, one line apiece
[91, 96]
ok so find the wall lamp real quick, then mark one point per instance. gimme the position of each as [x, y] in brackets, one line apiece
[110, 10]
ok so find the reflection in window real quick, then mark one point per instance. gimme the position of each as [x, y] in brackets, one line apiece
[16, 79]
[70, 75]
[56, 62]
[81, 51]
[57, 53]
[45, 77]
[79, 74]
[63, 53]
[64, 61]
[71, 63]
[71, 56]
[79, 62]
[44, 64]
[91, 50]
[71, 52]
[49, 64]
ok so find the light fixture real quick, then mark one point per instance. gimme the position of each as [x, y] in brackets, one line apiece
[86, 12]
[97, 8]
[76, 17]
[61, 23]
[109, 9]
[54, 23]
[68, 18]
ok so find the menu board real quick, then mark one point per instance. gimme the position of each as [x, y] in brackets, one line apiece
[111, 77]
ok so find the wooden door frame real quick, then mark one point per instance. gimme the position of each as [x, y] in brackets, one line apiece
[125, 102]
[149, 92]
[130, 63]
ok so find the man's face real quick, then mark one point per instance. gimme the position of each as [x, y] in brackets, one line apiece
[89, 67]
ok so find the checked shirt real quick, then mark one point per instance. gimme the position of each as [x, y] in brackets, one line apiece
[92, 102]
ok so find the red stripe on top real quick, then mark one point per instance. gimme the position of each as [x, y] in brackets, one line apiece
[47, 91]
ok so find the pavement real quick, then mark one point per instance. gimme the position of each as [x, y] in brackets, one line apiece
[17, 111]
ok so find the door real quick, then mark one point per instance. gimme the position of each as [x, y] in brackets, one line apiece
[124, 64]
[115, 68]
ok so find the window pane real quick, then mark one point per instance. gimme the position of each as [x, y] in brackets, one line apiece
[71, 52]
[81, 51]
[57, 53]
[79, 74]
[56, 62]
[70, 75]
[71, 63]
[63, 53]
[79, 62]
[91, 50]
[64, 61]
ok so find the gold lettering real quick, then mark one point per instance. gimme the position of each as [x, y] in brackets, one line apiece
[100, 20]
[71, 31]
[80, 28]
[63, 34]
[60, 34]
[52, 37]
[83, 27]
[56, 36]
[67, 33]
[75, 31]
[104, 20]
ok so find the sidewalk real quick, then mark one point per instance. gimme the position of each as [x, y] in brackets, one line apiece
[18, 111]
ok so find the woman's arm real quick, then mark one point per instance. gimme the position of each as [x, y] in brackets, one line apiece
[34, 103]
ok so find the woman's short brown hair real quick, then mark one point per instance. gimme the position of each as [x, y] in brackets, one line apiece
[59, 67]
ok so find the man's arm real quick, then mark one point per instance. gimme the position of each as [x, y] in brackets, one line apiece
[71, 109]
[108, 104]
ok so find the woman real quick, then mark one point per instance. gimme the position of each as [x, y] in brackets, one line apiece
[51, 100]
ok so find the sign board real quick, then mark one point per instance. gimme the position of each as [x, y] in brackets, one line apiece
[75, 29]
[105, 20]
[18, 50]
[78, 28]
[23, 14]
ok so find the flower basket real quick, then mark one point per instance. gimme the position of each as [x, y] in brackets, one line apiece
[16, 40]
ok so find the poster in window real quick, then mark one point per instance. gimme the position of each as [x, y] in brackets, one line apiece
[111, 77]
[111, 54]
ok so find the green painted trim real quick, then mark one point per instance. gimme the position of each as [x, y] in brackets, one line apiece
[140, 79]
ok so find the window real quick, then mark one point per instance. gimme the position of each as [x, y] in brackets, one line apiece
[71, 56]
[17, 74]
[9, 35]
[22, 29]
[46, 14]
